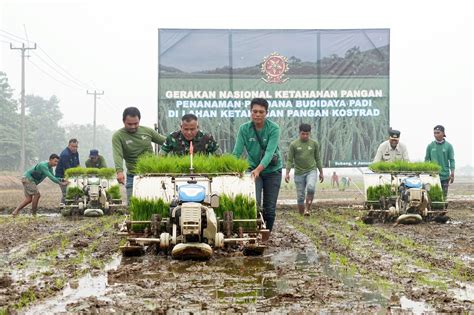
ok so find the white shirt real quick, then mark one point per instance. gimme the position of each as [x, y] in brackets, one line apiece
[386, 153]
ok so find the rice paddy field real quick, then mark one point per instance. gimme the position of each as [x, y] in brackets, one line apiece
[329, 262]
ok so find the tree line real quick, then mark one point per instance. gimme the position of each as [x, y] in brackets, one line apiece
[44, 134]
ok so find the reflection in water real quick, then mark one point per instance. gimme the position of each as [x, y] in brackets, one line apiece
[413, 306]
[88, 285]
[465, 292]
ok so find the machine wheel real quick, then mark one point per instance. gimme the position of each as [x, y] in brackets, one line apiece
[219, 240]
[164, 240]
[409, 219]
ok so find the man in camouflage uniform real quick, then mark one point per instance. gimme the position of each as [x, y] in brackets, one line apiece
[178, 142]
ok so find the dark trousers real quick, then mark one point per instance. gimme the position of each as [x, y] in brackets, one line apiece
[129, 187]
[444, 186]
[268, 186]
[63, 192]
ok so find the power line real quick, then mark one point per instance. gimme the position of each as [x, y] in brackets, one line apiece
[58, 72]
[71, 78]
[11, 34]
[64, 70]
[95, 93]
[52, 77]
[11, 39]
[23, 49]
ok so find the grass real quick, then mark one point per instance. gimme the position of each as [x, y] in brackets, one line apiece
[27, 297]
[227, 163]
[403, 166]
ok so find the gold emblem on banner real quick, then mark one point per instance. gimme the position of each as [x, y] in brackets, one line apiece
[274, 67]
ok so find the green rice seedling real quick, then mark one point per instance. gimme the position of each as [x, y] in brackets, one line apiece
[114, 192]
[241, 206]
[74, 193]
[91, 171]
[74, 172]
[149, 164]
[374, 193]
[152, 164]
[404, 166]
[436, 193]
[143, 209]
[108, 173]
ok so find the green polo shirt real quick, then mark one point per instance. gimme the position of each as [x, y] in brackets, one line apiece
[129, 146]
[246, 139]
[43, 170]
[443, 154]
[304, 156]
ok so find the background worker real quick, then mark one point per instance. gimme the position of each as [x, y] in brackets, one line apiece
[32, 178]
[304, 155]
[442, 152]
[334, 180]
[95, 160]
[68, 158]
[129, 142]
[392, 150]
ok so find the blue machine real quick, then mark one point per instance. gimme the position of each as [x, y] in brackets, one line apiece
[412, 182]
[191, 193]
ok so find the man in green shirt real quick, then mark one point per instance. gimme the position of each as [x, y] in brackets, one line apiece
[32, 178]
[179, 141]
[95, 160]
[260, 138]
[129, 142]
[304, 155]
[441, 152]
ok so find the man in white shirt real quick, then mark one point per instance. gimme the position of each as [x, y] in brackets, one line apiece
[391, 150]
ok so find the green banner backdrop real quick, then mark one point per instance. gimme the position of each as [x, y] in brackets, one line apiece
[335, 80]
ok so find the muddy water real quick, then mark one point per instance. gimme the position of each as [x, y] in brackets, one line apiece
[87, 286]
[292, 276]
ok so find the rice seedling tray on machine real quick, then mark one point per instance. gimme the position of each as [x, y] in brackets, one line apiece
[91, 192]
[191, 214]
[404, 192]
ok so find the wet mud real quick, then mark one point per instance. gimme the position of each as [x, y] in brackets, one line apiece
[328, 262]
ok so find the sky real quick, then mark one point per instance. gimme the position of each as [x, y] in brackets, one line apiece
[112, 46]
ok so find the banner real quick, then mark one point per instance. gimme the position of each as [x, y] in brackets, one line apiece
[335, 80]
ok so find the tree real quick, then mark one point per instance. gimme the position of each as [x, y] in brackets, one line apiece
[9, 127]
[84, 134]
[45, 134]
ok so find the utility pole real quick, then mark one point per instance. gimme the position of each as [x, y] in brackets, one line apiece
[95, 93]
[22, 102]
